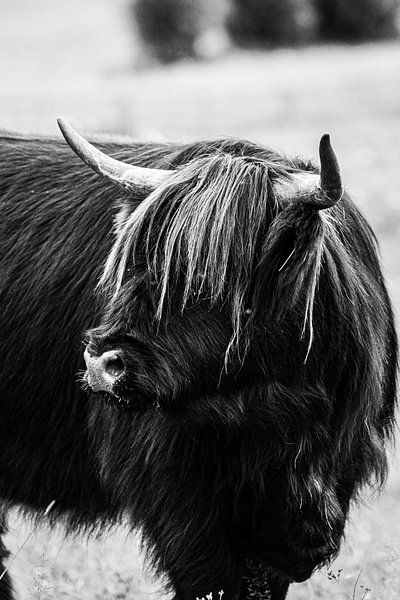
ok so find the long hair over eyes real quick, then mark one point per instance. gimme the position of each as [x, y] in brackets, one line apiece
[207, 230]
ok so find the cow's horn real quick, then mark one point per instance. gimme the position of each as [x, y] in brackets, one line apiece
[330, 188]
[331, 182]
[317, 191]
[140, 180]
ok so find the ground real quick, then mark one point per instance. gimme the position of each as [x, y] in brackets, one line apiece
[76, 59]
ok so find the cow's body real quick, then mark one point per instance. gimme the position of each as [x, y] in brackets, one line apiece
[55, 231]
[225, 490]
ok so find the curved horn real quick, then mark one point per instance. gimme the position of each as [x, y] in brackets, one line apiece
[141, 180]
[324, 190]
[317, 191]
[330, 182]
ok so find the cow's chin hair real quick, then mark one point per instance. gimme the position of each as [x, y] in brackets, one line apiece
[121, 403]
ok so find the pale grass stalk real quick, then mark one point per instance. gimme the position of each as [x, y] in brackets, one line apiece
[356, 584]
[28, 537]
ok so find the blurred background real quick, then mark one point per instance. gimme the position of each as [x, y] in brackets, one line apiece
[279, 72]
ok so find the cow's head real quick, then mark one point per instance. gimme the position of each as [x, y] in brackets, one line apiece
[210, 284]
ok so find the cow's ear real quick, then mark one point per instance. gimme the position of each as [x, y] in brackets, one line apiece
[139, 180]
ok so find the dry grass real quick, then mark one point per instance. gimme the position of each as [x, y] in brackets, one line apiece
[75, 59]
[49, 567]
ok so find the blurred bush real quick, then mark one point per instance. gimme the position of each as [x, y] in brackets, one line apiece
[272, 22]
[175, 29]
[356, 20]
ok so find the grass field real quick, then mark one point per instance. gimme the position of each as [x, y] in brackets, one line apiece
[76, 59]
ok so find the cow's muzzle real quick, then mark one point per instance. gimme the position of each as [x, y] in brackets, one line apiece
[104, 371]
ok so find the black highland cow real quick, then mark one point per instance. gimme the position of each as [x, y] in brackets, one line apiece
[241, 353]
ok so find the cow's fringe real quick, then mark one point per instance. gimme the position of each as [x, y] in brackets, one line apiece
[201, 236]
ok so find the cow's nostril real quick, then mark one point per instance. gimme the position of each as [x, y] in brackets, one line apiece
[114, 366]
[105, 370]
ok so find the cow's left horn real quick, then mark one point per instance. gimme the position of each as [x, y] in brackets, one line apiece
[331, 181]
[140, 180]
[317, 191]
[330, 188]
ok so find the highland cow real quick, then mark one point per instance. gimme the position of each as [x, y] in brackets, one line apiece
[240, 353]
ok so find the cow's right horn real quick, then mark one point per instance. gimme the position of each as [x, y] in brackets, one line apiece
[141, 180]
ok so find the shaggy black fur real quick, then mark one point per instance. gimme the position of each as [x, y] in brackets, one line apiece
[259, 348]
